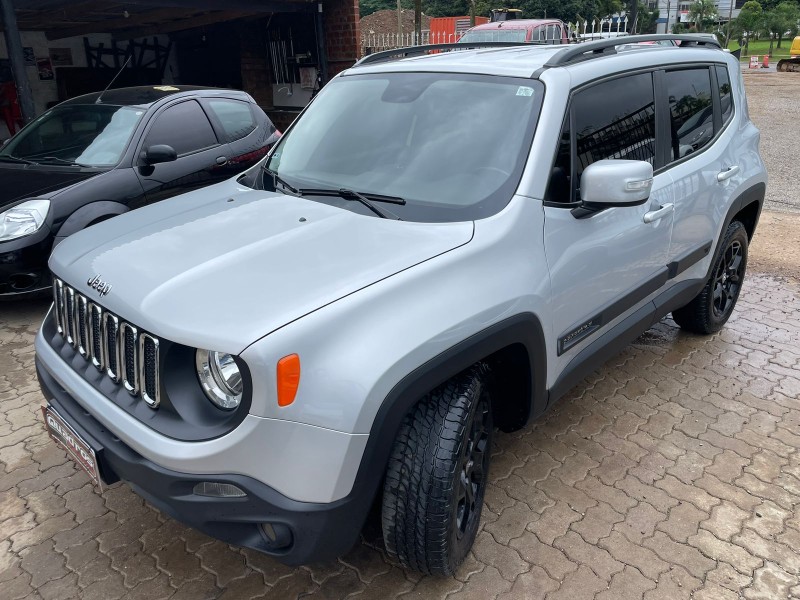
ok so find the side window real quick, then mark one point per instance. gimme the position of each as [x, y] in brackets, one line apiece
[615, 119]
[691, 110]
[725, 96]
[184, 126]
[235, 116]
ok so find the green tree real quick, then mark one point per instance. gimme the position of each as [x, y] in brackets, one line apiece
[749, 22]
[647, 19]
[703, 14]
[787, 16]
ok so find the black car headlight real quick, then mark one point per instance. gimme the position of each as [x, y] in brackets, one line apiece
[220, 378]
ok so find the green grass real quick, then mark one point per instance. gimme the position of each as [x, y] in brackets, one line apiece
[761, 48]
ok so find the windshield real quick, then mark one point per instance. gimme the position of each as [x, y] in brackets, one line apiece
[452, 146]
[494, 35]
[88, 135]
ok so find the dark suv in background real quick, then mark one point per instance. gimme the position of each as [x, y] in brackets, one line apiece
[100, 155]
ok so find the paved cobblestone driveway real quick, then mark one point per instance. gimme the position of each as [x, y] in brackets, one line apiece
[674, 472]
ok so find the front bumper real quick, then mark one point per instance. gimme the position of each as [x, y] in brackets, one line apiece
[301, 532]
[23, 266]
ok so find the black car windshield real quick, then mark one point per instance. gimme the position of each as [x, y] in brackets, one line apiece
[87, 135]
[453, 146]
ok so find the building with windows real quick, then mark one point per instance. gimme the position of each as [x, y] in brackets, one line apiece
[671, 12]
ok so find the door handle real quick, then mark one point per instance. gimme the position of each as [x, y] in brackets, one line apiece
[655, 215]
[221, 160]
[727, 173]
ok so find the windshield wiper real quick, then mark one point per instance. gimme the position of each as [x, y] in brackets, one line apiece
[16, 159]
[276, 179]
[61, 160]
[367, 201]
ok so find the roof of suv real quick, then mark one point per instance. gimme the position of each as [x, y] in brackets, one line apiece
[524, 60]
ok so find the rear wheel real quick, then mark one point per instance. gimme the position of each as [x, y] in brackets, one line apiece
[437, 475]
[712, 307]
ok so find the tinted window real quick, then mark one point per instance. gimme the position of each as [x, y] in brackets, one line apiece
[725, 97]
[615, 119]
[184, 126]
[235, 116]
[691, 110]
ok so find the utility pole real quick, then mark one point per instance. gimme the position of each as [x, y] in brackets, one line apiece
[728, 28]
[666, 26]
[399, 21]
[15, 55]
[417, 22]
[634, 15]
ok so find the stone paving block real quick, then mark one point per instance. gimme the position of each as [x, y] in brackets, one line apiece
[551, 559]
[582, 584]
[533, 585]
[597, 522]
[726, 520]
[686, 556]
[583, 553]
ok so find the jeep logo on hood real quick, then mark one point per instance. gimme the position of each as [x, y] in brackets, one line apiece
[102, 287]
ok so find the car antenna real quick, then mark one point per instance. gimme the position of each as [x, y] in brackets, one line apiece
[110, 83]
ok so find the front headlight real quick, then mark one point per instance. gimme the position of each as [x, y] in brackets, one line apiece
[23, 219]
[220, 378]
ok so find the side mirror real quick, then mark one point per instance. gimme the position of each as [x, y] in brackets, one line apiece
[616, 183]
[159, 153]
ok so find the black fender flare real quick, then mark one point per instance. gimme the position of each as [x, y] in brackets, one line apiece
[523, 328]
[751, 195]
[87, 214]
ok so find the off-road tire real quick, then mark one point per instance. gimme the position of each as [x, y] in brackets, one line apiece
[427, 471]
[712, 307]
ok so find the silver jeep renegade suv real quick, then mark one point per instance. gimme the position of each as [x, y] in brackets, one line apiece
[443, 243]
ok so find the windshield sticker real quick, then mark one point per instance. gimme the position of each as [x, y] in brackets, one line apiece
[166, 88]
[524, 90]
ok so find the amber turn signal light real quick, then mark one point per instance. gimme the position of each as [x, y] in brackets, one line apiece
[288, 379]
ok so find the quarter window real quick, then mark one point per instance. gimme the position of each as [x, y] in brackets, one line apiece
[691, 111]
[183, 126]
[235, 116]
[725, 96]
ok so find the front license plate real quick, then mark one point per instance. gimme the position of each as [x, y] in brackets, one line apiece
[78, 448]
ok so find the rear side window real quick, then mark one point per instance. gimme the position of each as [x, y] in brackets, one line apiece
[725, 96]
[615, 119]
[691, 111]
[183, 126]
[235, 116]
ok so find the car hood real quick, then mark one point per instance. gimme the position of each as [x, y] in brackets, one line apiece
[29, 181]
[227, 265]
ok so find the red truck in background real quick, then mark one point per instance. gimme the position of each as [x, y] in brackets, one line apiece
[447, 30]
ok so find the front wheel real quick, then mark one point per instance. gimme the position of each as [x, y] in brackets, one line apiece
[712, 307]
[437, 475]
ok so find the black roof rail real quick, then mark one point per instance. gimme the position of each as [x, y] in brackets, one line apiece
[398, 53]
[594, 49]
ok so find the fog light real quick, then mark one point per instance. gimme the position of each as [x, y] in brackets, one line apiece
[278, 535]
[218, 490]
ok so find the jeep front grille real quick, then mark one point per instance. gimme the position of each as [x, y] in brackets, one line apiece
[113, 346]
